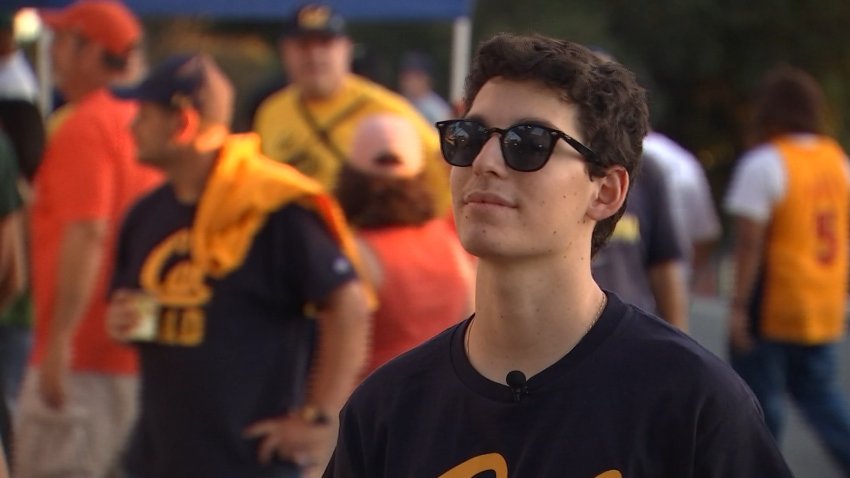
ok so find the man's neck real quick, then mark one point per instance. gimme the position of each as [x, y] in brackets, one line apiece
[188, 176]
[77, 90]
[313, 96]
[529, 315]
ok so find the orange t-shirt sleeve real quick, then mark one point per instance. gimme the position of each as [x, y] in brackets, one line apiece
[82, 163]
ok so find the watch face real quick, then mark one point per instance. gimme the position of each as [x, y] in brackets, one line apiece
[313, 414]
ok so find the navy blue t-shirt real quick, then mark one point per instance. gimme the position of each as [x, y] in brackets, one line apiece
[635, 398]
[228, 351]
[646, 235]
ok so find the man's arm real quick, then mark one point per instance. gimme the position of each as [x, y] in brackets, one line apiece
[306, 437]
[342, 348]
[80, 257]
[13, 270]
[747, 254]
[667, 280]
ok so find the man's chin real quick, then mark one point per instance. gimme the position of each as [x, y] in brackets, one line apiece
[318, 87]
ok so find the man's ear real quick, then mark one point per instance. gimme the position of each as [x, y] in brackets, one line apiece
[611, 193]
[189, 124]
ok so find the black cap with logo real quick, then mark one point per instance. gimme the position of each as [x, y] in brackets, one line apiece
[315, 20]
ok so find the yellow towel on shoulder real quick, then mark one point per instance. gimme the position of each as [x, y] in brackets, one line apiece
[243, 189]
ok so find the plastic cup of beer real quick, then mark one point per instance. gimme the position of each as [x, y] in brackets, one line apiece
[146, 328]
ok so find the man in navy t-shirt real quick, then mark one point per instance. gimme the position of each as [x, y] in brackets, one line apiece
[552, 376]
[224, 276]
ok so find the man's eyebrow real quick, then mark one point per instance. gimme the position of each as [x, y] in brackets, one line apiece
[476, 118]
[525, 120]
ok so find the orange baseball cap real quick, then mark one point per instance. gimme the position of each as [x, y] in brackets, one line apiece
[106, 22]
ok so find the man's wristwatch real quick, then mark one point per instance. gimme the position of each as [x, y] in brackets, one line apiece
[314, 415]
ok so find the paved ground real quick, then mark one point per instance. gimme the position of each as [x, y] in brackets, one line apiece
[802, 451]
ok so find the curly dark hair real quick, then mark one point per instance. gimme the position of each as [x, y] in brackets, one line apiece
[613, 115]
[789, 100]
[374, 202]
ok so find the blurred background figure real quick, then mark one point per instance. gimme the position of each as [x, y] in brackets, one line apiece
[310, 123]
[78, 399]
[240, 257]
[790, 197]
[413, 258]
[13, 275]
[643, 261]
[23, 126]
[690, 198]
[16, 76]
[416, 83]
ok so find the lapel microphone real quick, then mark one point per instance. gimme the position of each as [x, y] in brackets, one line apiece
[516, 382]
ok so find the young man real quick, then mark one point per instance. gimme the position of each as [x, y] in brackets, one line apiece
[551, 376]
[789, 198]
[219, 276]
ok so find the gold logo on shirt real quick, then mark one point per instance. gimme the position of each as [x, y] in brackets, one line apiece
[496, 463]
[490, 462]
[314, 17]
[179, 288]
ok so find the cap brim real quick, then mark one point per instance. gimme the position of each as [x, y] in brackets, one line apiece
[302, 33]
[137, 93]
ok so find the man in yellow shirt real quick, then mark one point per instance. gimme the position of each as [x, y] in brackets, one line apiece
[310, 123]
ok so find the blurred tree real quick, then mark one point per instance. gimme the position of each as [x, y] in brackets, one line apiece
[700, 59]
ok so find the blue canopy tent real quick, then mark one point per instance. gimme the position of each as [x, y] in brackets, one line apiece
[457, 11]
[271, 9]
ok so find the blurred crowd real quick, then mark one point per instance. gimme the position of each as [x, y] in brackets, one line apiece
[180, 300]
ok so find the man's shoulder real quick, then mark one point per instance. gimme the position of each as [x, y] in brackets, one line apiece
[670, 357]
[379, 95]
[100, 111]
[280, 99]
[422, 364]
[152, 202]
[759, 157]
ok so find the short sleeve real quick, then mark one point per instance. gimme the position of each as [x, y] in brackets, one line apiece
[347, 460]
[121, 270]
[10, 199]
[703, 223]
[734, 442]
[757, 184]
[665, 240]
[78, 170]
[312, 260]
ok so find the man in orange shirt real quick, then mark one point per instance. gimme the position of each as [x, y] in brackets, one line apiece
[79, 396]
[789, 199]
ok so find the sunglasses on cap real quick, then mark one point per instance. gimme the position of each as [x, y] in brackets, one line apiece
[526, 147]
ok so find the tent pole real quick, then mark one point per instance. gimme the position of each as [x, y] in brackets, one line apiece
[44, 72]
[461, 40]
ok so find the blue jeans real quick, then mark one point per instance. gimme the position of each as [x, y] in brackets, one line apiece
[808, 374]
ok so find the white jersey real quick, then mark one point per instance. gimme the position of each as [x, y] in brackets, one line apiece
[693, 206]
[760, 182]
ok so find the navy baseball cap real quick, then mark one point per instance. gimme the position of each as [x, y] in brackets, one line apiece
[315, 19]
[417, 61]
[187, 80]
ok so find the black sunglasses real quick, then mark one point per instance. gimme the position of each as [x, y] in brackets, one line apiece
[526, 147]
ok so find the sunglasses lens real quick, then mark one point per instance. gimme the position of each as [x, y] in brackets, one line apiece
[461, 141]
[527, 147]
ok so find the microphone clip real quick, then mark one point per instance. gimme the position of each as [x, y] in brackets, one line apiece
[517, 383]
